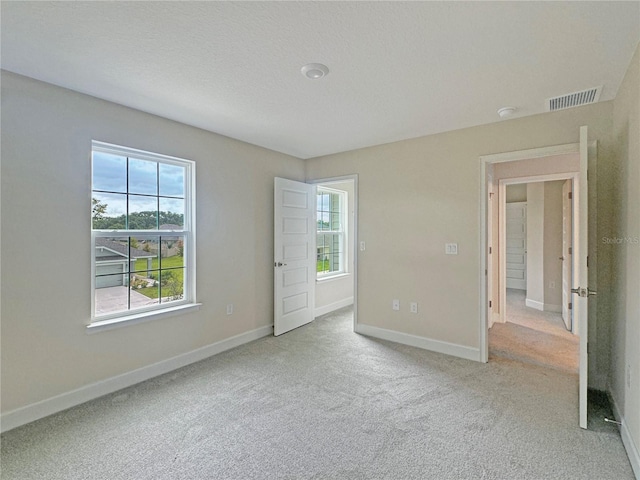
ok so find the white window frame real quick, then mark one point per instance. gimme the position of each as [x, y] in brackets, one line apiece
[342, 234]
[188, 302]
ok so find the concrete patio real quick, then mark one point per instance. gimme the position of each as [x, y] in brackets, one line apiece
[113, 299]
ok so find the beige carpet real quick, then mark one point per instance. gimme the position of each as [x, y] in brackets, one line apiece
[323, 403]
[535, 337]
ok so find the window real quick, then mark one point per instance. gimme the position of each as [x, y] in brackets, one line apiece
[331, 207]
[142, 231]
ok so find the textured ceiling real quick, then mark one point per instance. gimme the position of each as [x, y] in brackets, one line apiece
[397, 69]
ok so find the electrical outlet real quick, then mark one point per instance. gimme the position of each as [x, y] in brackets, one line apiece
[230, 309]
[413, 307]
[451, 248]
[362, 246]
[395, 304]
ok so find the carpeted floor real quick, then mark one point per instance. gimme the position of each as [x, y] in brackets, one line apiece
[532, 336]
[322, 402]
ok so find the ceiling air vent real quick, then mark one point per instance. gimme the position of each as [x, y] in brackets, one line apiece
[574, 99]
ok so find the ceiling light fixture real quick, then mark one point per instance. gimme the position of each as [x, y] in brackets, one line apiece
[505, 112]
[315, 71]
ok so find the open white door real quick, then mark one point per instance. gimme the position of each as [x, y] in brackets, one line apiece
[566, 258]
[580, 287]
[294, 254]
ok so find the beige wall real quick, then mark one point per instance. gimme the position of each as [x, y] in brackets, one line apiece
[46, 144]
[620, 240]
[417, 195]
[338, 291]
[535, 245]
[516, 193]
[553, 245]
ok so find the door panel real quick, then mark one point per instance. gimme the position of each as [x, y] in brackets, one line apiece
[567, 259]
[580, 272]
[294, 254]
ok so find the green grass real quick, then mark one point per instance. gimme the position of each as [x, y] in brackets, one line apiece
[322, 266]
[168, 262]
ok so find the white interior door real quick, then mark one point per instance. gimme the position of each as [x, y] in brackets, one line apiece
[490, 207]
[566, 253]
[294, 254]
[580, 275]
[516, 243]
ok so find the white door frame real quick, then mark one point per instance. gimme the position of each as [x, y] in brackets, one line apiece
[485, 161]
[353, 236]
[502, 224]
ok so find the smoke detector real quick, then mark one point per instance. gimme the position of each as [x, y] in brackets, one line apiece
[505, 112]
[314, 71]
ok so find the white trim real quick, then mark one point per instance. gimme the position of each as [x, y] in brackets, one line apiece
[461, 351]
[117, 322]
[329, 278]
[565, 149]
[333, 306]
[632, 450]
[49, 406]
[534, 304]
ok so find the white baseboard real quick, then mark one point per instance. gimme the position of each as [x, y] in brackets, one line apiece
[552, 308]
[534, 304]
[439, 346]
[632, 449]
[23, 415]
[333, 306]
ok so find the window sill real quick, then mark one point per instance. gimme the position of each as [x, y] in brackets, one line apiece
[332, 277]
[112, 323]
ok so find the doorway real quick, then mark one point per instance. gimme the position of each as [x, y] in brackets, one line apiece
[532, 328]
[315, 255]
[541, 161]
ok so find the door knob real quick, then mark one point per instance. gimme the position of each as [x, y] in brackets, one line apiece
[280, 264]
[584, 292]
[561, 258]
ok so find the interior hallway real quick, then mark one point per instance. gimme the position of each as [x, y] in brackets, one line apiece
[535, 337]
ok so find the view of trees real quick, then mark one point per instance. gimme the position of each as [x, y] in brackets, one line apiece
[137, 220]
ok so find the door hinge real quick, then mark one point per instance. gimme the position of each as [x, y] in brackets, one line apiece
[490, 195]
[489, 303]
[570, 195]
[486, 272]
[489, 250]
[570, 250]
[570, 306]
[587, 261]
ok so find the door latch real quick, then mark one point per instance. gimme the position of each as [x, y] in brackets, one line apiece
[584, 292]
